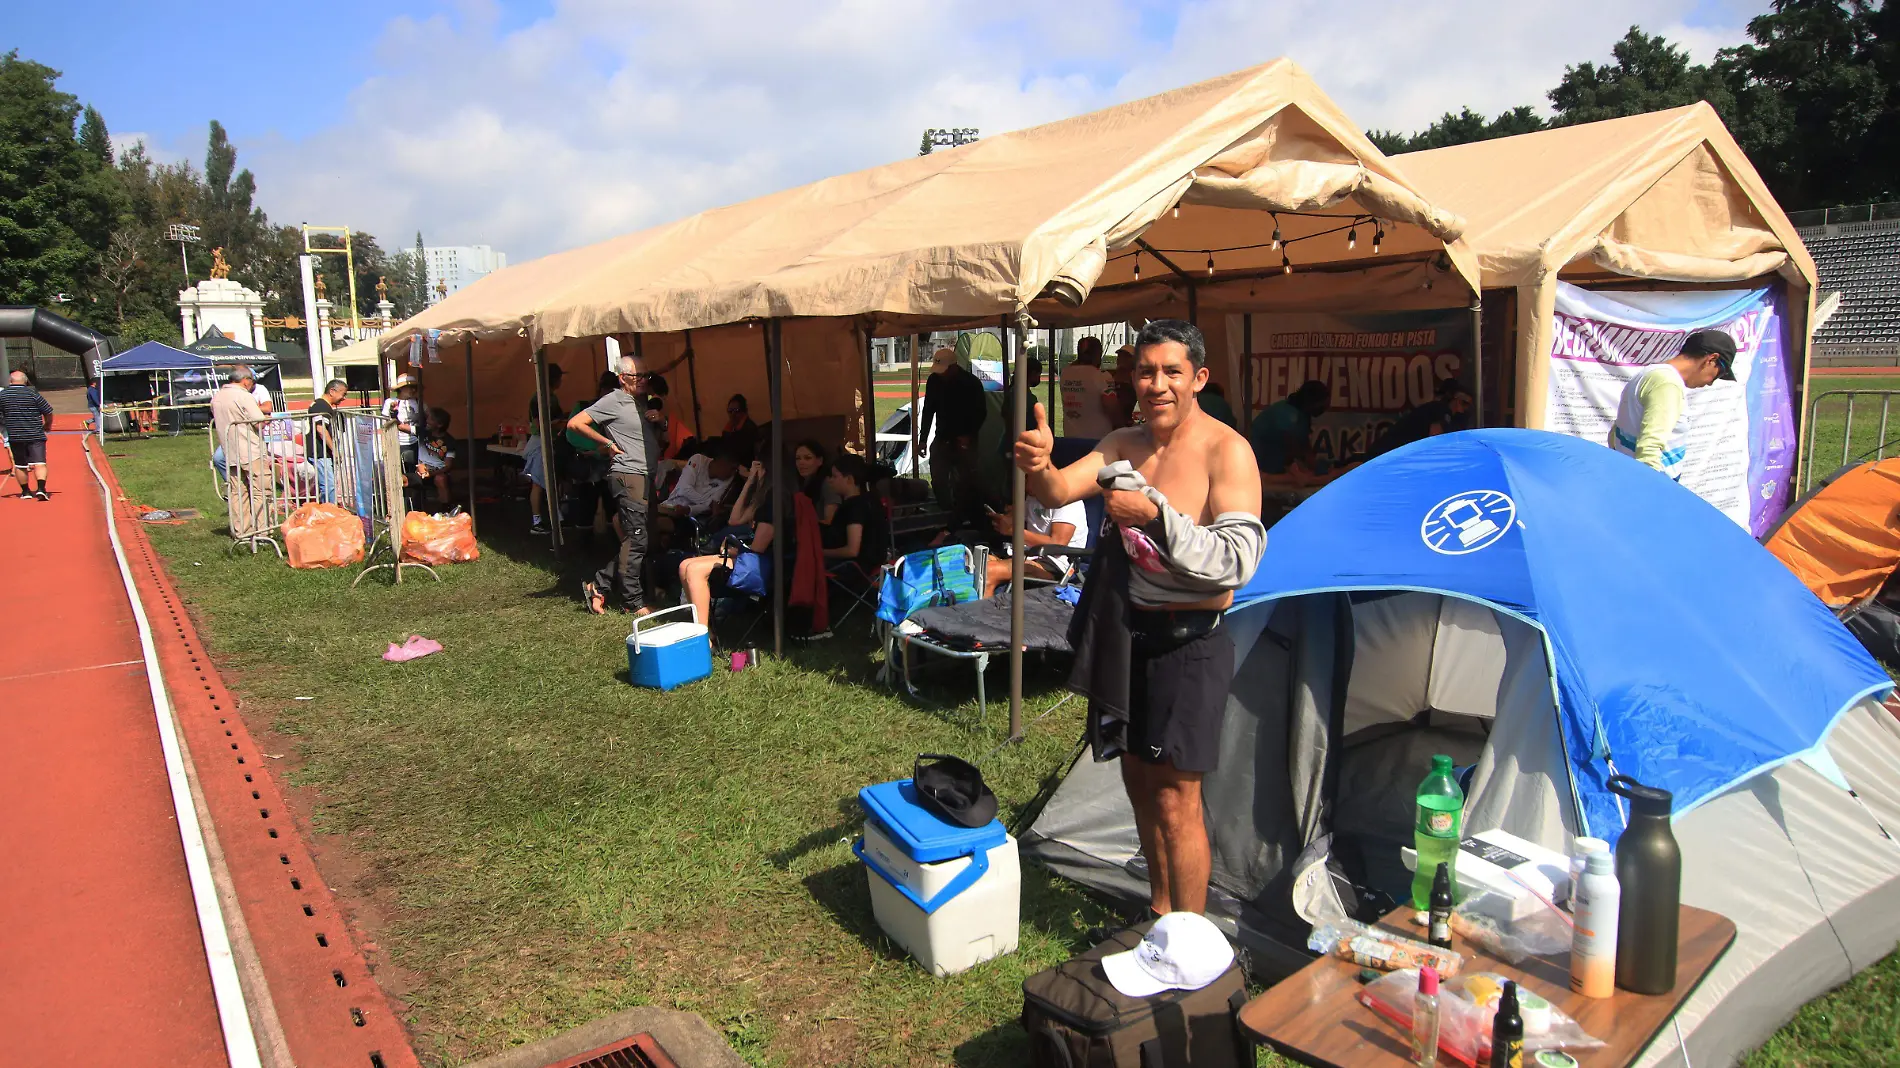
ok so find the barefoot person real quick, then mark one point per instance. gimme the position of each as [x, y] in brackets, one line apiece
[1182, 533]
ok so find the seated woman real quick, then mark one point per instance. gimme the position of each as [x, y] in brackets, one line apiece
[809, 460]
[1065, 526]
[857, 529]
[703, 578]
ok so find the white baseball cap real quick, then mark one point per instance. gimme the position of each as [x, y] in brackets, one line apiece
[1183, 951]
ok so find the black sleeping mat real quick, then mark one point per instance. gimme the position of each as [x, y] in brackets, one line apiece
[985, 624]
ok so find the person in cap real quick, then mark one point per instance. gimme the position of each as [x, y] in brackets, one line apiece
[412, 422]
[617, 423]
[1181, 533]
[955, 406]
[1652, 419]
[237, 421]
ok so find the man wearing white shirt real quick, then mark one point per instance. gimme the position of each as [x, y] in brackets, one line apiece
[1067, 526]
[1087, 393]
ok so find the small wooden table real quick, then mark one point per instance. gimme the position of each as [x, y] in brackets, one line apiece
[1314, 1016]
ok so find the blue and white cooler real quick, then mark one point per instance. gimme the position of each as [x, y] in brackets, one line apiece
[663, 653]
[950, 895]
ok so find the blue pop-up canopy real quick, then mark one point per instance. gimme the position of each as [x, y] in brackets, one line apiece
[154, 356]
[1683, 654]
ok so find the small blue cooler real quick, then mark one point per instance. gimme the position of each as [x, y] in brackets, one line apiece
[951, 895]
[662, 655]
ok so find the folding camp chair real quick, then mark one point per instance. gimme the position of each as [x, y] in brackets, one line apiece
[947, 575]
[856, 583]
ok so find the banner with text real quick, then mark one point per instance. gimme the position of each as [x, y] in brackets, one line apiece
[1741, 448]
[1378, 366]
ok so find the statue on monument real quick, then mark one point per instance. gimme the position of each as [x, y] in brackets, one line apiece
[321, 295]
[219, 268]
[382, 288]
[441, 288]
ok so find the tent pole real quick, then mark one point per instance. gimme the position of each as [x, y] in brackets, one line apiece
[774, 368]
[692, 382]
[551, 491]
[1477, 358]
[468, 347]
[870, 397]
[916, 462]
[1049, 368]
[1246, 371]
[1017, 492]
[1194, 305]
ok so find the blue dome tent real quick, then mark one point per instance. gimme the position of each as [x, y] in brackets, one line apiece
[1549, 613]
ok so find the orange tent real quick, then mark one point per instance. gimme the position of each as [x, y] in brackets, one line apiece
[1843, 539]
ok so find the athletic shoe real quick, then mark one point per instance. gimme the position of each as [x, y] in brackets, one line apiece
[42, 495]
[539, 526]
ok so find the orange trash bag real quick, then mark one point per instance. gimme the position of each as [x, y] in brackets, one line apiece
[323, 535]
[433, 539]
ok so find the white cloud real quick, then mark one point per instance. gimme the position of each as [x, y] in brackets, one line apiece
[610, 115]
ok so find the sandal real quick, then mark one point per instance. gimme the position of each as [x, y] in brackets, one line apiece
[595, 600]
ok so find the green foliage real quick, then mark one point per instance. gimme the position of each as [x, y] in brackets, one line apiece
[150, 326]
[75, 220]
[1810, 99]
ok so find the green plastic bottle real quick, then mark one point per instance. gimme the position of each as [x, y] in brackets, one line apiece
[1441, 821]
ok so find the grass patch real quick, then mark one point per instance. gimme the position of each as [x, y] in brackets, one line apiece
[559, 845]
[1857, 1024]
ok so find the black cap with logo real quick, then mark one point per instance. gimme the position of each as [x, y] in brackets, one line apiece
[1715, 343]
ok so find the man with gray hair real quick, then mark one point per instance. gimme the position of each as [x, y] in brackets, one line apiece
[25, 419]
[238, 422]
[629, 443]
[320, 448]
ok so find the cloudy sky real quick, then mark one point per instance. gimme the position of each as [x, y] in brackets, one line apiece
[536, 126]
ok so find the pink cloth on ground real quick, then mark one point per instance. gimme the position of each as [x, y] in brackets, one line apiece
[416, 646]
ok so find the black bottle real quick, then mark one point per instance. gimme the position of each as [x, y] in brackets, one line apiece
[1507, 1031]
[1649, 871]
[1439, 925]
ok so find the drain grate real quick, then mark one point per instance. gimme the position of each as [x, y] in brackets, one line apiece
[640, 1051]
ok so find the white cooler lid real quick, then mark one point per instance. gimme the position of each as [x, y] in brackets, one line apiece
[669, 633]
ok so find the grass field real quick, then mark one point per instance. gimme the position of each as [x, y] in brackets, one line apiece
[532, 843]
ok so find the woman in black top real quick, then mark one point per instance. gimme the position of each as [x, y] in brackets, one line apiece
[857, 530]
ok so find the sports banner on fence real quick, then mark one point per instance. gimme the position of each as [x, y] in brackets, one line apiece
[1741, 445]
[1378, 366]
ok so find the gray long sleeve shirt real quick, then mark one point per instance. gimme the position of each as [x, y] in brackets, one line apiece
[1194, 562]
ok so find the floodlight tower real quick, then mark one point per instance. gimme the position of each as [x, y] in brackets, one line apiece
[185, 234]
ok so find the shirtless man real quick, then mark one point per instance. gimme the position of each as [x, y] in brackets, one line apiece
[1182, 532]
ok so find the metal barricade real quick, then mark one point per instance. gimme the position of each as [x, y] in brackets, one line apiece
[1835, 418]
[282, 464]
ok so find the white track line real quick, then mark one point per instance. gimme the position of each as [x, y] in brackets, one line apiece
[240, 1044]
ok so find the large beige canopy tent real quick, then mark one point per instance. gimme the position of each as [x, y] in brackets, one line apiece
[1666, 198]
[1246, 182]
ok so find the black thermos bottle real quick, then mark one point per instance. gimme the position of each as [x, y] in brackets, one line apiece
[1649, 872]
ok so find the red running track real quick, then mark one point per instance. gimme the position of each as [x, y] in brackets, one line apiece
[100, 955]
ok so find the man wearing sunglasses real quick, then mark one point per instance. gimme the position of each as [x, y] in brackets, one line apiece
[1652, 420]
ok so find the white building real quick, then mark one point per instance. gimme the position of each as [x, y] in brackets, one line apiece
[453, 266]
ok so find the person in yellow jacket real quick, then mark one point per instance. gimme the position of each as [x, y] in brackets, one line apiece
[1652, 419]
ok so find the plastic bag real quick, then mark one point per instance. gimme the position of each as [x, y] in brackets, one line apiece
[322, 535]
[1484, 920]
[1370, 947]
[439, 539]
[1464, 1025]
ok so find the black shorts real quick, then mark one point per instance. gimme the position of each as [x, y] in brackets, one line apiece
[1177, 688]
[28, 453]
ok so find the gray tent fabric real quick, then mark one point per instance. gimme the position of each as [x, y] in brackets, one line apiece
[1338, 704]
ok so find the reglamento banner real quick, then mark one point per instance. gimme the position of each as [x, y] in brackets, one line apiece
[1378, 366]
[1742, 438]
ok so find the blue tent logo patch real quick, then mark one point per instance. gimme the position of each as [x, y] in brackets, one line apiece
[1466, 522]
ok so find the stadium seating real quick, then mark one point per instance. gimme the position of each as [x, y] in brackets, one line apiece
[1864, 266]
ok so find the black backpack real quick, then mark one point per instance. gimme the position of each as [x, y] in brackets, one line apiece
[1077, 1019]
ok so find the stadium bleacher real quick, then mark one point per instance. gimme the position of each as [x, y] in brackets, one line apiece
[1860, 261]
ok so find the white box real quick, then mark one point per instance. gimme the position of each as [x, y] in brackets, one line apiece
[1531, 870]
[982, 922]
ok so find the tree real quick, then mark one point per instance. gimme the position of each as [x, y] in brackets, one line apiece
[1821, 115]
[42, 170]
[93, 137]
[1458, 129]
[120, 270]
[1648, 74]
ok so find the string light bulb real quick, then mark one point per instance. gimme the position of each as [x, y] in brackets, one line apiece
[1210, 265]
[1378, 235]
[1286, 265]
[1177, 211]
[1352, 237]
[1138, 266]
[1276, 231]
